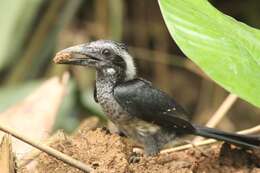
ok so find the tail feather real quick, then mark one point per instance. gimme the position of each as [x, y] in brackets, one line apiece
[246, 141]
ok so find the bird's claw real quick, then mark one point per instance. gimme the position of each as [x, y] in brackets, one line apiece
[106, 130]
[134, 157]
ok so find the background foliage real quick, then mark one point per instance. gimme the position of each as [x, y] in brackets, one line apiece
[33, 30]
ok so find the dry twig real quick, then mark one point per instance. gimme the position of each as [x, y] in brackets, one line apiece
[26, 159]
[57, 154]
[220, 113]
[222, 110]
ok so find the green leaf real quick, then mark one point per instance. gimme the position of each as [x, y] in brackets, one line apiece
[16, 17]
[227, 50]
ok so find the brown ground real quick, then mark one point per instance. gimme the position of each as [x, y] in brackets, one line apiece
[110, 153]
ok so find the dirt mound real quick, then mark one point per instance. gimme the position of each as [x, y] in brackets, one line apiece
[110, 153]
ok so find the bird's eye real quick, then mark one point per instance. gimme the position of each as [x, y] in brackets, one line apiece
[106, 52]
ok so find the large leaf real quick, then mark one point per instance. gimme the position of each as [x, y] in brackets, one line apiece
[227, 50]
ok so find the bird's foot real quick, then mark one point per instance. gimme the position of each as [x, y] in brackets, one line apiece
[134, 157]
[151, 150]
[107, 131]
[137, 153]
[121, 134]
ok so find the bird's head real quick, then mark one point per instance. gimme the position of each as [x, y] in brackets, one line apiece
[109, 57]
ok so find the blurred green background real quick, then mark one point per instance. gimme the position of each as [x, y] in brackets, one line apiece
[32, 31]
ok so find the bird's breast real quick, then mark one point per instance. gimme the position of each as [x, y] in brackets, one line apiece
[109, 104]
[131, 126]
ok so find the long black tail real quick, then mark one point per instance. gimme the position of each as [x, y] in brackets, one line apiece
[246, 141]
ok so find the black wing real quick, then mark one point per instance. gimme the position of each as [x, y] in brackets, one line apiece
[140, 99]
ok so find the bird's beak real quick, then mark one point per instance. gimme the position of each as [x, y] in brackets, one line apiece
[76, 55]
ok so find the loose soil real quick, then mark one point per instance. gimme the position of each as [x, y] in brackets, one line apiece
[109, 153]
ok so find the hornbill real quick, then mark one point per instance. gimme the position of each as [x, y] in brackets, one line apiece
[139, 110]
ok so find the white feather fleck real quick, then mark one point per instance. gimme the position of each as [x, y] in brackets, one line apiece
[130, 66]
[110, 71]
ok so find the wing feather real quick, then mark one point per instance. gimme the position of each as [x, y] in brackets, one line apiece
[140, 99]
